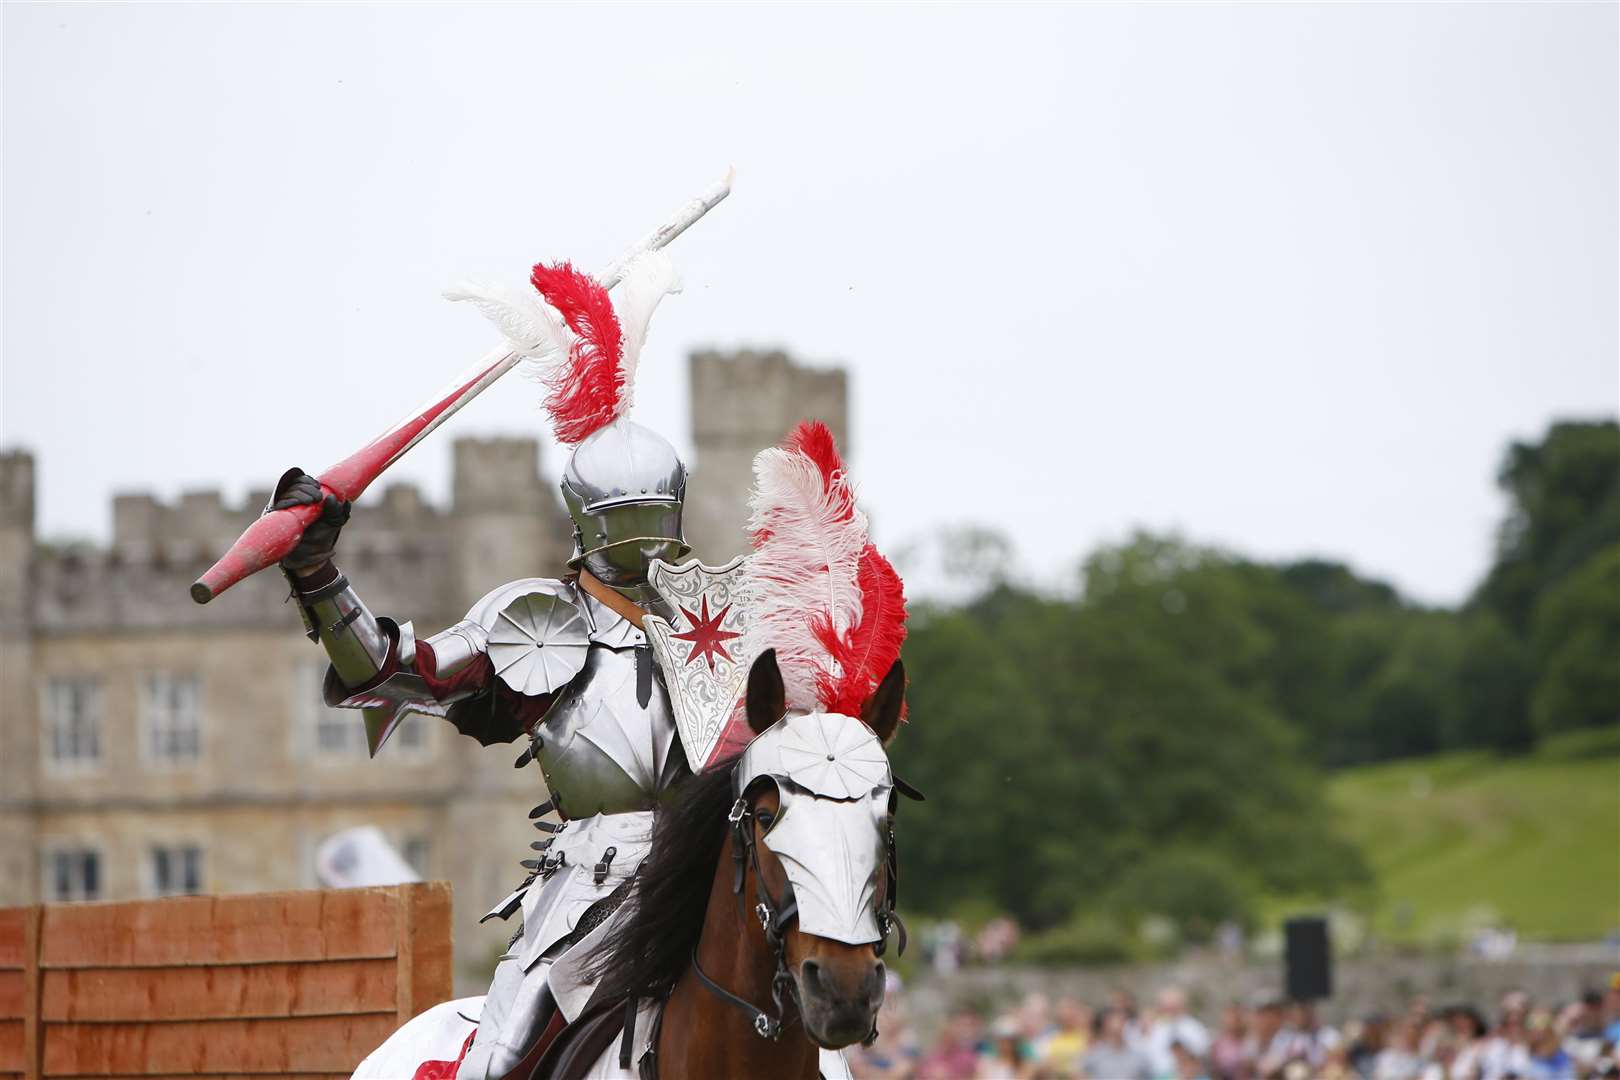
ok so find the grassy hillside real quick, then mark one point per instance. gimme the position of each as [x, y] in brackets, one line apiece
[1459, 839]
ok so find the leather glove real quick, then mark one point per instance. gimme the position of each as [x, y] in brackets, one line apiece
[298, 488]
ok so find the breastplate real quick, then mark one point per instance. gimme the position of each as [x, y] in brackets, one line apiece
[601, 752]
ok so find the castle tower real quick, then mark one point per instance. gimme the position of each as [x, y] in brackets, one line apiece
[742, 402]
[18, 690]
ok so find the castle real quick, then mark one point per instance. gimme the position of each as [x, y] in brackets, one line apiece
[151, 746]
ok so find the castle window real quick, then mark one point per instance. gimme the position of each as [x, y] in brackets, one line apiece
[176, 870]
[72, 711]
[72, 874]
[171, 718]
[339, 732]
[411, 735]
[321, 732]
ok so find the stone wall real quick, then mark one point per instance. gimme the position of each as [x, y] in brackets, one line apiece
[1361, 985]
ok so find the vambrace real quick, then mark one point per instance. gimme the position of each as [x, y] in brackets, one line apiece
[353, 637]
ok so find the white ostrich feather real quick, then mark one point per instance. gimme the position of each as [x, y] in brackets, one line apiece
[806, 568]
[648, 278]
[531, 326]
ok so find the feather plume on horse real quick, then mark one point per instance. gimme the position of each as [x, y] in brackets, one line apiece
[819, 592]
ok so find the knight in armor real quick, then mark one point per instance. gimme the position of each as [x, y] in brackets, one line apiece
[563, 663]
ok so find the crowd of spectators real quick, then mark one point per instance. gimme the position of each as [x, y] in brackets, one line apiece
[1266, 1039]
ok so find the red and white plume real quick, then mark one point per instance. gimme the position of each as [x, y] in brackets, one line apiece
[583, 345]
[816, 589]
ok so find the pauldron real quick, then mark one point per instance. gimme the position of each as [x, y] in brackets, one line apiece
[535, 631]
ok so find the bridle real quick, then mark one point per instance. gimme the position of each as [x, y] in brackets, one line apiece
[775, 914]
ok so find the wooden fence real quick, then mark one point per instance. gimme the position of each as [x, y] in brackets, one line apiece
[298, 984]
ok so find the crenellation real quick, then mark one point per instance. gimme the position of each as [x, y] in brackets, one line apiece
[404, 502]
[499, 474]
[17, 489]
[137, 523]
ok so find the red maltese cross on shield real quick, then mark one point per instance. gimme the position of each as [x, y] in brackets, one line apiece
[702, 658]
[708, 640]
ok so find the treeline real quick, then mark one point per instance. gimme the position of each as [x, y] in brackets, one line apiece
[1156, 743]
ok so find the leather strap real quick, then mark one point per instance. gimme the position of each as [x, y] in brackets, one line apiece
[627, 1040]
[614, 602]
[764, 1024]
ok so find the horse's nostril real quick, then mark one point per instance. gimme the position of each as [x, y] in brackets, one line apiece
[876, 979]
[812, 974]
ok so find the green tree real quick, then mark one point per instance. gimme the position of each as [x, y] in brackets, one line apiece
[1063, 742]
[1409, 705]
[1197, 890]
[1576, 644]
[1564, 507]
[1493, 688]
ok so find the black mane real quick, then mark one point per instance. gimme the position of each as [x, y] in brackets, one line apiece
[664, 913]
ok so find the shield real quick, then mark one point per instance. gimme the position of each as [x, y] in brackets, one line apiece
[700, 651]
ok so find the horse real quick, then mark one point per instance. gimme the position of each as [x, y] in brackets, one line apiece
[753, 935]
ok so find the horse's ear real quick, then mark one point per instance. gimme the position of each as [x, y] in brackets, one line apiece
[882, 711]
[767, 698]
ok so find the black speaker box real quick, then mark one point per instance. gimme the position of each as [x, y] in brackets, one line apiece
[1308, 960]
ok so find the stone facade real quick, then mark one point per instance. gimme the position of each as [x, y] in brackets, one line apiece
[133, 720]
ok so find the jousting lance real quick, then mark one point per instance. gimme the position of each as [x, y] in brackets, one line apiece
[269, 539]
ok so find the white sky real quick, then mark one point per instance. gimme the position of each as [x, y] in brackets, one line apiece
[1285, 278]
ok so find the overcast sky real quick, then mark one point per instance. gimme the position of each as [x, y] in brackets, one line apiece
[1283, 278]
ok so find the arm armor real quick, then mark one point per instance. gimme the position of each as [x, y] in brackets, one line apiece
[374, 660]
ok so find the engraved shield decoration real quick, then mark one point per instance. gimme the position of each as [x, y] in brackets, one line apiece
[700, 653]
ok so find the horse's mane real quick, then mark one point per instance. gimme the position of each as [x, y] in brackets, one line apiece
[663, 916]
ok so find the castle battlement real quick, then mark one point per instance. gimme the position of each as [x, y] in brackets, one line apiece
[399, 548]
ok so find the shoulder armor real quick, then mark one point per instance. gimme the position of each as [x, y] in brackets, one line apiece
[536, 633]
[485, 612]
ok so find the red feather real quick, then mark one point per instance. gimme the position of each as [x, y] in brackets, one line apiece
[587, 389]
[868, 649]
[812, 439]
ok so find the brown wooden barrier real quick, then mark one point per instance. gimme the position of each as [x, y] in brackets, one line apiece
[286, 984]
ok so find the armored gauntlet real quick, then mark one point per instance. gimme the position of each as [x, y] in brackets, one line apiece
[333, 615]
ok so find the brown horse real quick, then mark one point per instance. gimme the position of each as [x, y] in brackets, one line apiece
[713, 927]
